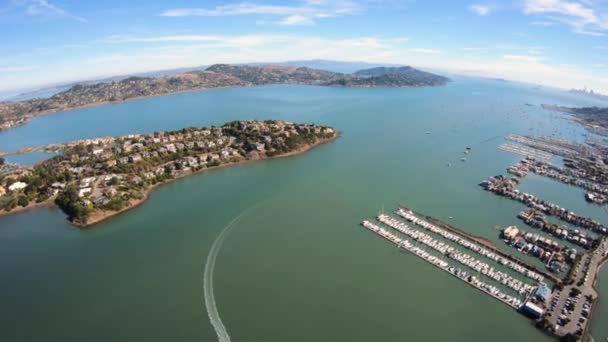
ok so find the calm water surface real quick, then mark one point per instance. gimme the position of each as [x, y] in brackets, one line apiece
[296, 267]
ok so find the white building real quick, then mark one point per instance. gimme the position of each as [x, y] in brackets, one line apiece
[17, 186]
[84, 191]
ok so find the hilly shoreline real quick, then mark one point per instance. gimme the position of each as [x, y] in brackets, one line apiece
[14, 114]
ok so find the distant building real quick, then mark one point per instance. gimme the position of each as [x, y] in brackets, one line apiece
[532, 310]
[543, 292]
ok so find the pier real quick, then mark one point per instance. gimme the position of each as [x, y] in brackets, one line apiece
[452, 253]
[525, 151]
[571, 176]
[471, 280]
[536, 219]
[505, 187]
[476, 244]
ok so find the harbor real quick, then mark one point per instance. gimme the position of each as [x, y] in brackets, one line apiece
[505, 187]
[596, 192]
[471, 280]
[463, 258]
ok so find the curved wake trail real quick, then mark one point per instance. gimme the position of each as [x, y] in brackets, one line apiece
[211, 306]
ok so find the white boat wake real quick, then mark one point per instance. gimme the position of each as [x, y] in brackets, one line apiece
[211, 306]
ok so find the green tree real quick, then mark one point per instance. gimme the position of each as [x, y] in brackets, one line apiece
[23, 201]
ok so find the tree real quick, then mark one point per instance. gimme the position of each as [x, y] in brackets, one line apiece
[2, 161]
[71, 204]
[23, 201]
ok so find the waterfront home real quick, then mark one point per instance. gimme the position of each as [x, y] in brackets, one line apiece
[84, 191]
[2, 190]
[17, 186]
[100, 200]
[170, 148]
[58, 185]
[135, 158]
[111, 163]
[191, 161]
[86, 182]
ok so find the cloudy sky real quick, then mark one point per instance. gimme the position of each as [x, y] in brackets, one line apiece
[561, 43]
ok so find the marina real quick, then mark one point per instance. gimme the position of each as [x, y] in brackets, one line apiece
[557, 257]
[525, 151]
[536, 219]
[464, 259]
[597, 192]
[504, 186]
[516, 265]
[490, 290]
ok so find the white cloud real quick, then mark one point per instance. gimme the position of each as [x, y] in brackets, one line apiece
[543, 23]
[529, 63]
[296, 19]
[584, 17]
[481, 9]
[304, 14]
[46, 8]
[425, 50]
[523, 58]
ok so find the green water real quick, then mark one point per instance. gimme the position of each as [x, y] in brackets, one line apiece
[297, 266]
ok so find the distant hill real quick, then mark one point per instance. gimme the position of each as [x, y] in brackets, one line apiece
[15, 113]
[335, 66]
[595, 119]
[277, 74]
[400, 77]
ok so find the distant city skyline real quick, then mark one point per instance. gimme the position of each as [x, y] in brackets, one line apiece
[559, 43]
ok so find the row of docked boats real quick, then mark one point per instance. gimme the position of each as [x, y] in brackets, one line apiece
[409, 216]
[444, 265]
[463, 258]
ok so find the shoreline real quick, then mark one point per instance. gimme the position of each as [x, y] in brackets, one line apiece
[134, 203]
[19, 209]
[104, 103]
[587, 334]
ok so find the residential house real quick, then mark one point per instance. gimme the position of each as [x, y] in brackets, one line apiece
[17, 186]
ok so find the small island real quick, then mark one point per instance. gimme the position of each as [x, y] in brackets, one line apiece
[94, 179]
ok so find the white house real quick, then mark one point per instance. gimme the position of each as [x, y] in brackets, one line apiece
[17, 186]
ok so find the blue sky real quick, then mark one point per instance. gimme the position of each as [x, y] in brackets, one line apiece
[560, 43]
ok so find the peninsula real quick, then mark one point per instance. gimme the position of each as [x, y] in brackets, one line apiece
[595, 119]
[95, 179]
[13, 114]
